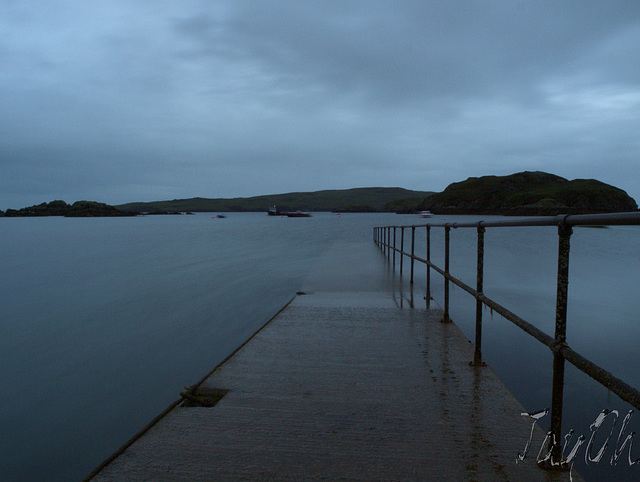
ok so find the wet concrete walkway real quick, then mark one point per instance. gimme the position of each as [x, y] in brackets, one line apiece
[344, 385]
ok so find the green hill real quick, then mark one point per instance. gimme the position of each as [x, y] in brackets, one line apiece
[76, 210]
[528, 193]
[369, 199]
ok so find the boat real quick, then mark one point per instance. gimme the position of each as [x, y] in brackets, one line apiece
[273, 211]
[221, 216]
[425, 214]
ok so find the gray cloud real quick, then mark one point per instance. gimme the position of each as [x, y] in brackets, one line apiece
[140, 101]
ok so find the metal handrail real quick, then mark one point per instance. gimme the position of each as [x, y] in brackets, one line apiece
[609, 219]
[557, 344]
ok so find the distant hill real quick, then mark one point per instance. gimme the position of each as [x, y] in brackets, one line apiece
[528, 193]
[370, 199]
[61, 208]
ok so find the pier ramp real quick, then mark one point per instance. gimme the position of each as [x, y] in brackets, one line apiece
[351, 381]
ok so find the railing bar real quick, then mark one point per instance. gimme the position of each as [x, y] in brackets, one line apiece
[504, 312]
[599, 374]
[538, 334]
[625, 391]
[439, 270]
[461, 284]
[614, 219]
[501, 310]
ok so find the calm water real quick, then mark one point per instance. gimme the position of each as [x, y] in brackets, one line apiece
[104, 321]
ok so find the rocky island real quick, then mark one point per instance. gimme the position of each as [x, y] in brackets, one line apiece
[76, 210]
[528, 193]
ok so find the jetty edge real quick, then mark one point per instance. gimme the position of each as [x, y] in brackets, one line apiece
[176, 403]
[357, 384]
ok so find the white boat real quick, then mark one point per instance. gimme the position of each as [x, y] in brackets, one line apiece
[425, 214]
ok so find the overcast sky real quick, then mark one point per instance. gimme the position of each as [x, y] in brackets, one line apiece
[148, 100]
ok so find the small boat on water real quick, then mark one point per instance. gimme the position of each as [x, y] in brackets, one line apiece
[273, 211]
[425, 214]
[221, 216]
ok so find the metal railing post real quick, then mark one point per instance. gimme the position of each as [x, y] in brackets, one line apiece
[477, 355]
[394, 247]
[564, 237]
[401, 249]
[428, 293]
[383, 238]
[445, 317]
[388, 241]
[413, 241]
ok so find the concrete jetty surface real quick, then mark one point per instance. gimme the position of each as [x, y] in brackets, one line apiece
[349, 382]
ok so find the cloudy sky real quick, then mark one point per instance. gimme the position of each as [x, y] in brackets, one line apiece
[146, 100]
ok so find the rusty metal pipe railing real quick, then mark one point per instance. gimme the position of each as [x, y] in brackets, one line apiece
[394, 247]
[610, 219]
[477, 355]
[401, 249]
[557, 344]
[447, 244]
[413, 241]
[428, 263]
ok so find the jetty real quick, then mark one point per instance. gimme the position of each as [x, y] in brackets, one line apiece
[355, 379]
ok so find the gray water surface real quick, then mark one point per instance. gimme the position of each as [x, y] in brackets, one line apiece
[104, 321]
